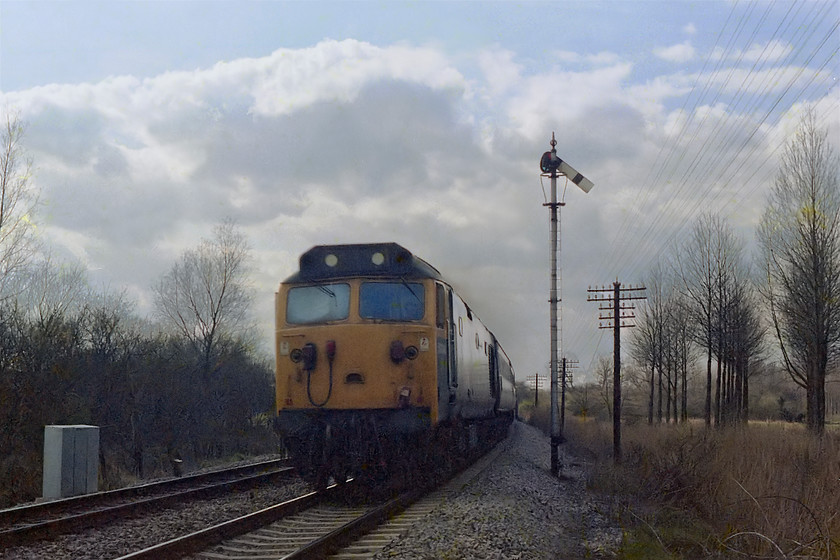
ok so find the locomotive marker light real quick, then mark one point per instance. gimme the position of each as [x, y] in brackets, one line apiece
[552, 167]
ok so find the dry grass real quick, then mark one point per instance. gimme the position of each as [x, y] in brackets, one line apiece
[764, 491]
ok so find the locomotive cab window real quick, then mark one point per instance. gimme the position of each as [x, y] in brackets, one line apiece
[318, 304]
[440, 307]
[392, 301]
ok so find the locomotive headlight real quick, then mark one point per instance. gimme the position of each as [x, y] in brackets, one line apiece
[296, 355]
[412, 352]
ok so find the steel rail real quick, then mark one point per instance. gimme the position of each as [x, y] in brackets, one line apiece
[30, 531]
[329, 533]
[350, 532]
[19, 514]
[205, 538]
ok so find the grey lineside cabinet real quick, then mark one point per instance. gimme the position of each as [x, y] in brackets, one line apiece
[71, 461]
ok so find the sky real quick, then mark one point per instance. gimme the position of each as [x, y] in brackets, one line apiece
[421, 123]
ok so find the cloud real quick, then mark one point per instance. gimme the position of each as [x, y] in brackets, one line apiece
[603, 58]
[335, 71]
[765, 82]
[564, 96]
[771, 51]
[347, 142]
[500, 70]
[682, 52]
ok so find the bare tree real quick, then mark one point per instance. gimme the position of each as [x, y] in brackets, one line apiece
[604, 373]
[739, 338]
[644, 343]
[681, 351]
[697, 269]
[662, 344]
[48, 291]
[205, 295]
[18, 199]
[800, 241]
[716, 280]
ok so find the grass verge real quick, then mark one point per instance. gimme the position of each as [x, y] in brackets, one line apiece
[687, 492]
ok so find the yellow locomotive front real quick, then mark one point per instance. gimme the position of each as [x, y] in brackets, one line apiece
[356, 358]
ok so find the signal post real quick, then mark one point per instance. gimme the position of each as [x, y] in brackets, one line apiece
[554, 167]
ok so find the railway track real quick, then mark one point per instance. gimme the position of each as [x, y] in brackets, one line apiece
[29, 523]
[316, 525]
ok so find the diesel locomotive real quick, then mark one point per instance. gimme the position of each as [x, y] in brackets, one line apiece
[381, 366]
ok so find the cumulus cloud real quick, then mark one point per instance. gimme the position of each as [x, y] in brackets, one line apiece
[345, 142]
[682, 52]
[598, 59]
[771, 51]
[500, 70]
[564, 96]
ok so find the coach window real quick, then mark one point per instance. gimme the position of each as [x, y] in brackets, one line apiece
[392, 301]
[318, 304]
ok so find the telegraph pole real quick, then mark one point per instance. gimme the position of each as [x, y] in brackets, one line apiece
[567, 380]
[553, 167]
[538, 381]
[619, 316]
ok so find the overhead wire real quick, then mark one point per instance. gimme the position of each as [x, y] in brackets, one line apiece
[712, 152]
[675, 202]
[644, 191]
[619, 252]
[724, 176]
[726, 143]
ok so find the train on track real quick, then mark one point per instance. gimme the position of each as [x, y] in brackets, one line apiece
[381, 368]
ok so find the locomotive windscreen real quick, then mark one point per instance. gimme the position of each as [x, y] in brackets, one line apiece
[392, 301]
[318, 304]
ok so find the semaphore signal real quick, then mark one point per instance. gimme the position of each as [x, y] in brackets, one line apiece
[554, 167]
